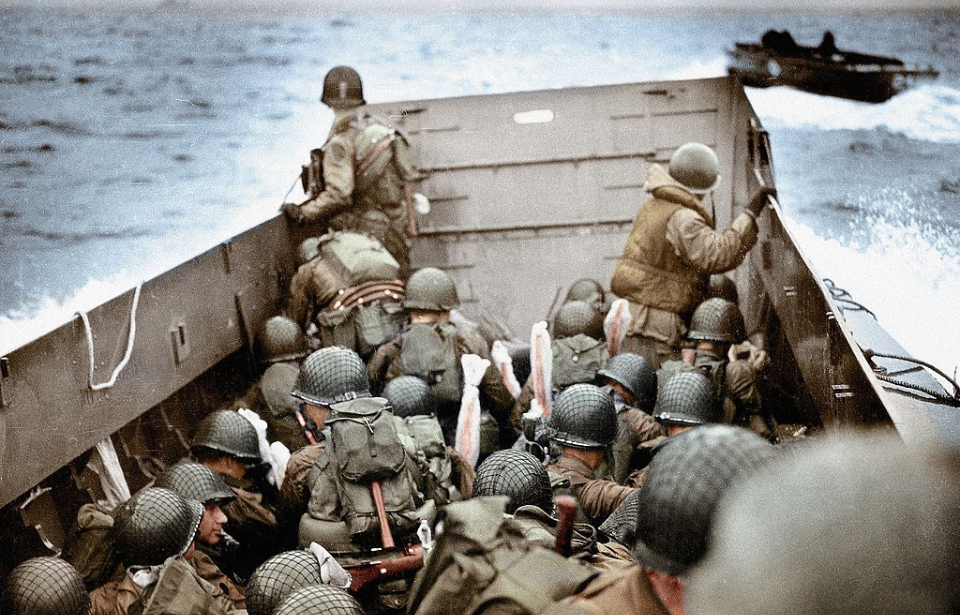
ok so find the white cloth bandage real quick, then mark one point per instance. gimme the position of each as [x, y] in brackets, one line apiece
[276, 454]
[504, 365]
[105, 464]
[331, 572]
[616, 325]
[541, 372]
[468, 422]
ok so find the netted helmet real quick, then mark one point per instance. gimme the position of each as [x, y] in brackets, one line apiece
[281, 339]
[44, 586]
[723, 287]
[195, 481]
[431, 289]
[688, 398]
[586, 290]
[622, 523]
[409, 396]
[155, 524]
[717, 320]
[584, 416]
[684, 484]
[577, 317]
[633, 373]
[696, 167]
[308, 250]
[331, 375]
[319, 599]
[518, 475]
[278, 577]
[226, 431]
[342, 88]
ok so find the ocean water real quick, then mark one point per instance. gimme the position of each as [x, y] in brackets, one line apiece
[131, 142]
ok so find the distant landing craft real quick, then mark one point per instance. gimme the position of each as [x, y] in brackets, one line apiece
[824, 69]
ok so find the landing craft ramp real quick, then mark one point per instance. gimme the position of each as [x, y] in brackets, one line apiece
[529, 190]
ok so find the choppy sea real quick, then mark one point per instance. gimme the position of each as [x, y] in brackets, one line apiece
[130, 142]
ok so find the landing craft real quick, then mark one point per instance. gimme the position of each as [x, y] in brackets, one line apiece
[530, 191]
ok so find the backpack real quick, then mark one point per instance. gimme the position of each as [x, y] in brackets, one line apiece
[385, 165]
[577, 359]
[430, 353]
[363, 327]
[357, 258]
[482, 561]
[436, 465]
[363, 447]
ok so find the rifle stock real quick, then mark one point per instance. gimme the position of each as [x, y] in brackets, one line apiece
[369, 572]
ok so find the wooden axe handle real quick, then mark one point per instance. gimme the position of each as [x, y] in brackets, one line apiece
[567, 512]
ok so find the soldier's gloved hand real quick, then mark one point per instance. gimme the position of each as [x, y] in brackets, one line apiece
[291, 211]
[759, 201]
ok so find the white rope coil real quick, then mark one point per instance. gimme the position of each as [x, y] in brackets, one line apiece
[130, 339]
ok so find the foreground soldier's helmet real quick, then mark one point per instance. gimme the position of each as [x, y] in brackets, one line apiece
[577, 317]
[278, 577]
[688, 398]
[695, 166]
[155, 524]
[431, 289]
[342, 88]
[518, 475]
[331, 375]
[584, 416]
[45, 586]
[281, 339]
[633, 373]
[684, 484]
[195, 481]
[586, 289]
[319, 599]
[723, 287]
[717, 320]
[226, 431]
[308, 250]
[853, 525]
[409, 396]
[622, 523]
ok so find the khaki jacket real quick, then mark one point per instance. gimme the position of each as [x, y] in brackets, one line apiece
[634, 427]
[624, 592]
[115, 597]
[339, 154]
[295, 491]
[597, 497]
[312, 288]
[210, 572]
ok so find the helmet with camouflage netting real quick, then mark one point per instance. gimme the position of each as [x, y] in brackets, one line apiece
[688, 398]
[696, 167]
[633, 373]
[586, 290]
[281, 339]
[45, 586]
[342, 88]
[577, 317]
[684, 484]
[409, 396]
[195, 481]
[431, 289]
[584, 416]
[319, 599]
[717, 320]
[155, 524]
[622, 523]
[331, 375]
[278, 577]
[226, 431]
[518, 475]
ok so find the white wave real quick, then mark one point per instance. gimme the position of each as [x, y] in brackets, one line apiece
[698, 69]
[928, 112]
[905, 272]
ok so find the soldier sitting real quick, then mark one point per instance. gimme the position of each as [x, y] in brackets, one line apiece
[675, 508]
[44, 586]
[228, 444]
[584, 425]
[431, 348]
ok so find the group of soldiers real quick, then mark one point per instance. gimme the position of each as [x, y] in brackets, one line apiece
[397, 457]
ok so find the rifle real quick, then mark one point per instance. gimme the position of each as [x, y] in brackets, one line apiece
[364, 573]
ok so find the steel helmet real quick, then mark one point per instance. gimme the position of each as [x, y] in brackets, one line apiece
[331, 375]
[308, 250]
[696, 167]
[228, 432]
[633, 373]
[518, 475]
[319, 599]
[684, 484]
[588, 290]
[431, 289]
[723, 287]
[281, 339]
[278, 577]
[717, 320]
[342, 88]
[687, 398]
[577, 317]
[584, 416]
[622, 523]
[45, 586]
[155, 524]
[195, 481]
[409, 396]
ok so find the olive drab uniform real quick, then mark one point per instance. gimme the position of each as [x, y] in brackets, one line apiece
[295, 491]
[634, 427]
[115, 597]
[252, 523]
[597, 497]
[626, 592]
[664, 269]
[211, 573]
[735, 383]
[270, 398]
